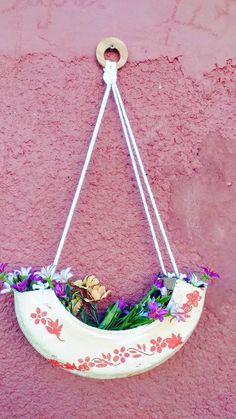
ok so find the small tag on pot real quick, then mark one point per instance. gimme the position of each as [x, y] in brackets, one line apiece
[169, 283]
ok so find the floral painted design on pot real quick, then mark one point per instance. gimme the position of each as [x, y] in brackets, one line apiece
[51, 326]
[120, 355]
[96, 353]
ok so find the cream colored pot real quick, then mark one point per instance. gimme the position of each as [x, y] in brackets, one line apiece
[87, 351]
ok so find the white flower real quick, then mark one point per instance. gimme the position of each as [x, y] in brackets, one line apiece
[182, 276]
[174, 308]
[194, 281]
[173, 275]
[143, 313]
[40, 286]
[11, 276]
[164, 291]
[23, 272]
[64, 276]
[171, 305]
[170, 275]
[6, 288]
[46, 272]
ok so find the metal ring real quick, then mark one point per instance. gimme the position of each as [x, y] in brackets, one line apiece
[112, 43]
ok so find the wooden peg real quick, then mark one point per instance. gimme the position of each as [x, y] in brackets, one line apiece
[112, 43]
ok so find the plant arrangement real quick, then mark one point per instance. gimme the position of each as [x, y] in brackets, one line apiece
[81, 296]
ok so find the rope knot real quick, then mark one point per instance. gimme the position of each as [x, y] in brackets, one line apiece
[110, 72]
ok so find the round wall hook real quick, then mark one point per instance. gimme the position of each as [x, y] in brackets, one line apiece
[112, 43]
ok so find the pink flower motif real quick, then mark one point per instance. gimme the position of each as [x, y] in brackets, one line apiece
[83, 367]
[39, 316]
[174, 341]
[69, 366]
[193, 298]
[186, 309]
[157, 345]
[65, 366]
[85, 364]
[54, 362]
[120, 355]
[54, 328]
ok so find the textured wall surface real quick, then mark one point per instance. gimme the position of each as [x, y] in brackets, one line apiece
[179, 91]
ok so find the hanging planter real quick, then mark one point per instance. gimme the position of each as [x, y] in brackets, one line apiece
[81, 349]
[58, 313]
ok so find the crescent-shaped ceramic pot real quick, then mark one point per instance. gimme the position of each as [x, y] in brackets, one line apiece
[90, 352]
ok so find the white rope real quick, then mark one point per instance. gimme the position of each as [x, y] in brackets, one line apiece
[83, 173]
[110, 74]
[148, 187]
[140, 186]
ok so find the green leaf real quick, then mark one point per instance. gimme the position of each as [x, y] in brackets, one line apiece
[164, 300]
[111, 313]
[83, 315]
[86, 318]
[68, 290]
[94, 314]
[31, 285]
[146, 297]
[49, 281]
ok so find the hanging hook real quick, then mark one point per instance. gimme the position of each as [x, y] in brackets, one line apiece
[112, 43]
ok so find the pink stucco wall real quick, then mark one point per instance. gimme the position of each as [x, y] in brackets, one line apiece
[179, 90]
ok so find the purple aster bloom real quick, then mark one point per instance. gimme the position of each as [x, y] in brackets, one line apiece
[156, 312]
[23, 272]
[153, 305]
[209, 273]
[121, 303]
[187, 278]
[158, 282]
[126, 311]
[3, 267]
[59, 289]
[34, 276]
[21, 286]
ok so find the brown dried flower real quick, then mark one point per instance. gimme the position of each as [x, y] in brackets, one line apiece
[97, 293]
[88, 281]
[93, 289]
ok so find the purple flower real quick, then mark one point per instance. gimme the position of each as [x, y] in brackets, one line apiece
[3, 267]
[34, 276]
[158, 282]
[59, 289]
[21, 286]
[156, 312]
[23, 273]
[121, 303]
[209, 273]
